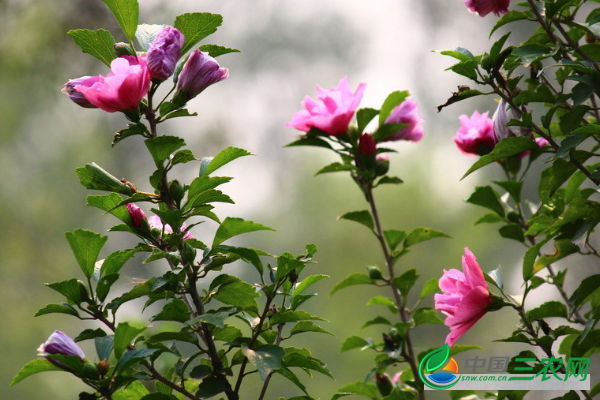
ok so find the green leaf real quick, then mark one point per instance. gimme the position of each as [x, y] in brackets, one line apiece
[405, 281]
[576, 137]
[175, 310]
[204, 183]
[588, 286]
[426, 316]
[487, 197]
[236, 292]
[562, 249]
[215, 51]
[135, 390]
[532, 52]
[183, 157]
[509, 17]
[548, 309]
[162, 147]
[362, 217]
[146, 33]
[216, 318]
[505, 148]
[380, 301]
[529, 259]
[376, 321]
[313, 141]
[57, 309]
[114, 261]
[393, 100]
[495, 278]
[393, 238]
[99, 44]
[285, 316]
[351, 280]
[143, 289]
[430, 287]
[490, 218]
[308, 326]
[419, 235]
[94, 177]
[306, 282]
[553, 177]
[306, 362]
[360, 388]
[265, 358]
[132, 357]
[109, 204]
[513, 188]
[196, 26]
[126, 13]
[74, 290]
[364, 116]
[336, 167]
[225, 156]
[512, 231]
[34, 367]
[86, 246]
[353, 342]
[231, 227]
[208, 196]
[104, 346]
[124, 335]
[210, 387]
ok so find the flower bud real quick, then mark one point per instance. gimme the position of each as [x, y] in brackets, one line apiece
[103, 367]
[136, 214]
[176, 191]
[90, 371]
[383, 383]
[74, 95]
[199, 72]
[367, 145]
[123, 49]
[164, 52]
[406, 113]
[504, 113]
[60, 343]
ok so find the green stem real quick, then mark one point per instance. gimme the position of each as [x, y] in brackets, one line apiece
[409, 354]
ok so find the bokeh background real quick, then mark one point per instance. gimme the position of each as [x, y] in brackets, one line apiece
[287, 48]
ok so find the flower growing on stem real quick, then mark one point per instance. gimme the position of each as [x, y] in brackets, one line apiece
[164, 52]
[155, 222]
[122, 89]
[75, 96]
[136, 214]
[504, 113]
[199, 72]
[60, 343]
[333, 110]
[406, 112]
[484, 7]
[367, 145]
[475, 135]
[465, 298]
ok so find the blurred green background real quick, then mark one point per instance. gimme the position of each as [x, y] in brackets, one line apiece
[287, 48]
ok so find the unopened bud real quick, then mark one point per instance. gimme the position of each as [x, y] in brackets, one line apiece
[384, 383]
[123, 49]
